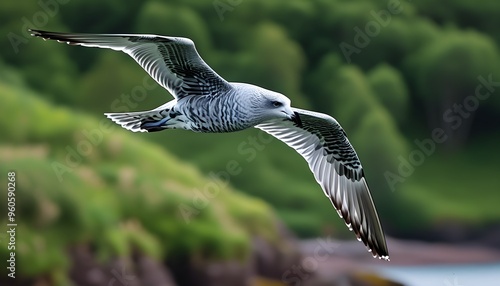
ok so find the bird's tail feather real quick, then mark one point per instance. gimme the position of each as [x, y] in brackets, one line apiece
[142, 121]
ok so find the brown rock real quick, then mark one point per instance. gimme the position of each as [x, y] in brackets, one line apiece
[197, 272]
[86, 270]
[273, 260]
[153, 273]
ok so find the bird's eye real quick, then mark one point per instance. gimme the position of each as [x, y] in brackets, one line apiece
[277, 104]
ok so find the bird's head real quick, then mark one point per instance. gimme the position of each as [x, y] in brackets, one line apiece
[272, 105]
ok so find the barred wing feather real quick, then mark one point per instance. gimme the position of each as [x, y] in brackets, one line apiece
[173, 62]
[332, 159]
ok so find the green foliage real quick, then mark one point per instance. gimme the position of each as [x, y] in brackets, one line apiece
[454, 61]
[319, 82]
[446, 72]
[111, 16]
[390, 89]
[274, 60]
[351, 94]
[464, 13]
[396, 88]
[116, 197]
[157, 17]
[448, 199]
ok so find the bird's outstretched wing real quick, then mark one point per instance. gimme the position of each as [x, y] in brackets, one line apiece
[336, 167]
[173, 62]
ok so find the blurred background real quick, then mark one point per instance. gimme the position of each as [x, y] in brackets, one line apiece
[415, 84]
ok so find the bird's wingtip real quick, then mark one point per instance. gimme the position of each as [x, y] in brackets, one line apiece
[35, 32]
[379, 256]
[384, 257]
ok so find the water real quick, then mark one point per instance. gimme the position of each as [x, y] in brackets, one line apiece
[445, 275]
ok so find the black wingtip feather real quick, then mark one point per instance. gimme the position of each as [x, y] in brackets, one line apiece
[39, 33]
[60, 37]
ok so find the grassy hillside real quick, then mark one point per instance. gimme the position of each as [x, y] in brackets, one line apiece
[115, 191]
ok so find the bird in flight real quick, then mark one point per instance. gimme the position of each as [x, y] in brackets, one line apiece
[205, 102]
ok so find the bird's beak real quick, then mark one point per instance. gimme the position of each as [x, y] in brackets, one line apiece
[293, 116]
[290, 113]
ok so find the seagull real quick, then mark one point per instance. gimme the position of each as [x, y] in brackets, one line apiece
[205, 102]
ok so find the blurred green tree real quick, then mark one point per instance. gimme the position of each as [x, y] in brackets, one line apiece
[390, 89]
[446, 74]
[110, 17]
[273, 61]
[157, 17]
[33, 56]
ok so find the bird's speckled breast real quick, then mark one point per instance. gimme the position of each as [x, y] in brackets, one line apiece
[214, 113]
